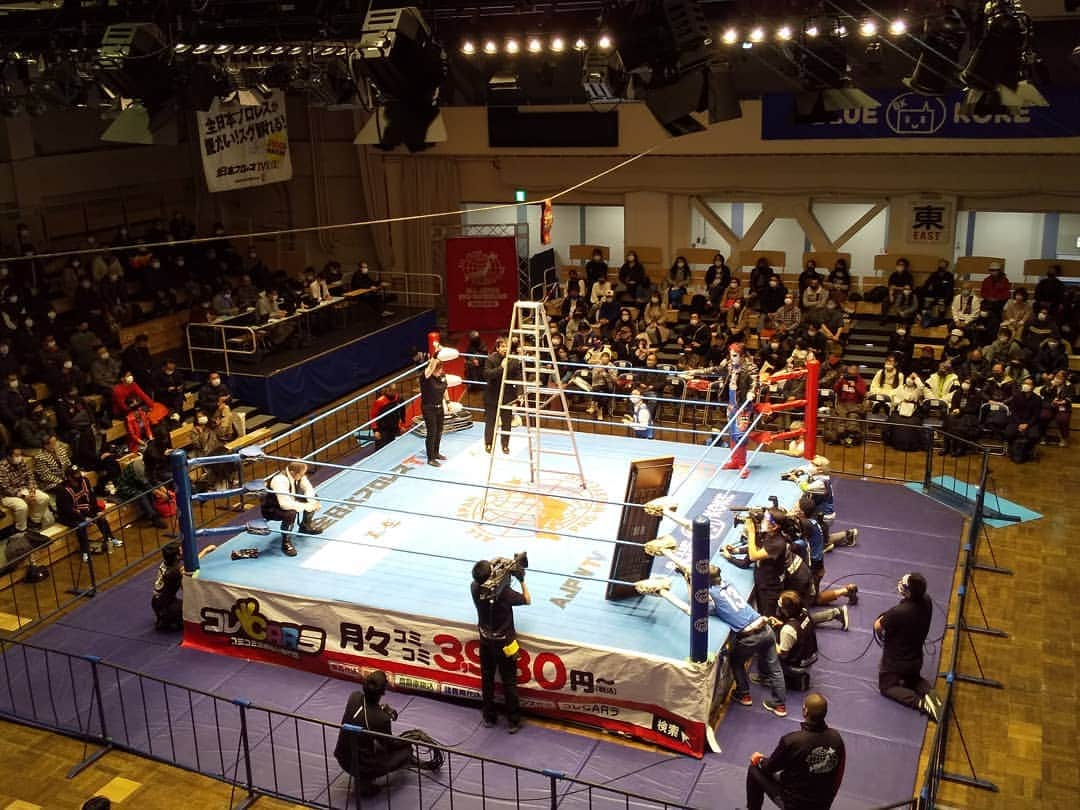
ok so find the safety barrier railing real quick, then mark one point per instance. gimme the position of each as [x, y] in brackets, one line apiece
[413, 289]
[26, 604]
[262, 751]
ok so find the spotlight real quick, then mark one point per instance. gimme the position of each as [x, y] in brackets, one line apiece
[181, 48]
[811, 29]
[604, 42]
[260, 50]
[406, 66]
[580, 44]
[512, 46]
[784, 33]
[998, 58]
[535, 45]
[490, 46]
[242, 50]
[329, 50]
[730, 36]
[130, 64]
[296, 50]
[201, 49]
[898, 27]
[277, 50]
[868, 28]
[222, 49]
[468, 47]
[558, 44]
[943, 37]
[747, 44]
[757, 33]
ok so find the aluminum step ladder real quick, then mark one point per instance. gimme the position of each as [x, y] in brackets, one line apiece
[541, 403]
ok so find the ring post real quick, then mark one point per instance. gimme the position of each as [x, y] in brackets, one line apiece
[813, 374]
[182, 482]
[699, 591]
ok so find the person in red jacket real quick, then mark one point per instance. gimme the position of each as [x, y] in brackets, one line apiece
[850, 390]
[124, 392]
[995, 288]
[137, 422]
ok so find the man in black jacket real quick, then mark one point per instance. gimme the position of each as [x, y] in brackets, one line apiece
[364, 756]
[903, 629]
[805, 770]
[498, 642]
[496, 367]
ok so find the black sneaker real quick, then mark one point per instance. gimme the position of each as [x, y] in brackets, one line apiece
[287, 548]
[852, 594]
[311, 529]
[514, 727]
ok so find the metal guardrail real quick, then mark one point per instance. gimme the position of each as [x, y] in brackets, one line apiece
[259, 750]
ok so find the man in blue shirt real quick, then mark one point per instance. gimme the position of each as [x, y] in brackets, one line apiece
[751, 636]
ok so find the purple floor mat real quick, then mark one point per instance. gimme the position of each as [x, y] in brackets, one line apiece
[203, 733]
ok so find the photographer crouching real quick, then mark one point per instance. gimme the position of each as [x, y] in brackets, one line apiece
[495, 601]
[363, 756]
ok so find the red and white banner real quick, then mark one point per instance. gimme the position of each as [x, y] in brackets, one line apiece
[481, 282]
[655, 699]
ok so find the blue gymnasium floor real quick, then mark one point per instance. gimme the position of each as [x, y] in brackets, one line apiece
[362, 558]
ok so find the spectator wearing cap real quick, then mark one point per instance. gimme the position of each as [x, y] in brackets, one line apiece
[995, 287]
[956, 346]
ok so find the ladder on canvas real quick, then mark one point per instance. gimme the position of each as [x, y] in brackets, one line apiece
[542, 401]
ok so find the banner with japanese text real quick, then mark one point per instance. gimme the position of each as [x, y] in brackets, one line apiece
[655, 699]
[245, 146]
[481, 281]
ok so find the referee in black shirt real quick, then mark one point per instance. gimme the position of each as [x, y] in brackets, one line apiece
[498, 644]
[432, 394]
[903, 630]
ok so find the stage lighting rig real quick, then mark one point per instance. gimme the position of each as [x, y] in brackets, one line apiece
[406, 65]
[943, 36]
[666, 46]
[821, 62]
[996, 75]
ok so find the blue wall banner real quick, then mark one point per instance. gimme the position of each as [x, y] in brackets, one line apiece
[910, 115]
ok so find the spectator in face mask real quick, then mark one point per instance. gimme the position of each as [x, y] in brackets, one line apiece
[104, 372]
[963, 418]
[1039, 329]
[1051, 357]
[1057, 399]
[212, 393]
[1017, 312]
[995, 288]
[15, 401]
[124, 392]
[787, 318]
[83, 345]
[1022, 432]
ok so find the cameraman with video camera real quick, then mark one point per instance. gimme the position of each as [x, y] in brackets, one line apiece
[495, 601]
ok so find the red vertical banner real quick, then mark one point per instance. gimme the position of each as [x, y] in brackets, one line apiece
[481, 282]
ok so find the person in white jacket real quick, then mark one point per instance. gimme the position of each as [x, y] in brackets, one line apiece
[290, 496]
[908, 397]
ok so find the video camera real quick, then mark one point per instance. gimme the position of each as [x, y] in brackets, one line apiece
[502, 569]
[753, 513]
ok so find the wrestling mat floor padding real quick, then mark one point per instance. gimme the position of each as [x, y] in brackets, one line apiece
[900, 530]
